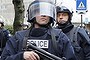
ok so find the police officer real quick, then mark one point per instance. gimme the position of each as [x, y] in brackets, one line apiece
[41, 15]
[4, 35]
[79, 39]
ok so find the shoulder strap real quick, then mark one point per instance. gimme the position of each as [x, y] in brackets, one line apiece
[54, 44]
[74, 41]
[72, 32]
[25, 39]
[75, 36]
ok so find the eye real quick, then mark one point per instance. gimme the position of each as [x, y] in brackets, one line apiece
[65, 14]
[58, 15]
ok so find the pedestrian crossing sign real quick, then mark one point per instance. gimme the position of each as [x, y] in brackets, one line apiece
[81, 5]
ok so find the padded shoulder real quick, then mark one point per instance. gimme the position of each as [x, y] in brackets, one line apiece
[83, 33]
[56, 31]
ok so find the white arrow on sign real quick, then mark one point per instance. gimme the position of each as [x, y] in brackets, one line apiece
[81, 6]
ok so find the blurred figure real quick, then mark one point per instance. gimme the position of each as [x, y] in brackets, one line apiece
[4, 35]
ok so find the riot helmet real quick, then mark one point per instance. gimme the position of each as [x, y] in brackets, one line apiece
[63, 9]
[38, 8]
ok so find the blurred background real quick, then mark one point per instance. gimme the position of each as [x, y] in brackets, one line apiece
[7, 11]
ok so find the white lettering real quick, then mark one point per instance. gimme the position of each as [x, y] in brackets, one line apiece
[40, 43]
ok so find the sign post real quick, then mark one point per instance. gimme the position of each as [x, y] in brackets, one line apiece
[81, 8]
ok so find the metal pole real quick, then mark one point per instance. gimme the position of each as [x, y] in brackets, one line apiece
[55, 1]
[81, 20]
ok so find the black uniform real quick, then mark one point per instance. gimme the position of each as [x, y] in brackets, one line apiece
[4, 36]
[13, 49]
[78, 36]
[83, 50]
[39, 31]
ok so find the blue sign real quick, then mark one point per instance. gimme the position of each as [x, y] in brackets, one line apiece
[81, 4]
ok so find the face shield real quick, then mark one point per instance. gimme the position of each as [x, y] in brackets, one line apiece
[41, 8]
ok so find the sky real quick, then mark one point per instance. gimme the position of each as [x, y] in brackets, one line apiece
[71, 4]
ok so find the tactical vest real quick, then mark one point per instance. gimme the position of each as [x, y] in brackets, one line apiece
[53, 43]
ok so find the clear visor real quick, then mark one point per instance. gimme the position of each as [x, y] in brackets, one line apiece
[42, 8]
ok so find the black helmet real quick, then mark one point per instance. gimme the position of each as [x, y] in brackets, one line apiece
[39, 7]
[64, 10]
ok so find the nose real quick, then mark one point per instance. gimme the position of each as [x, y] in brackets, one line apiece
[60, 17]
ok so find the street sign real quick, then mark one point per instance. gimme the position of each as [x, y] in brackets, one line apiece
[81, 5]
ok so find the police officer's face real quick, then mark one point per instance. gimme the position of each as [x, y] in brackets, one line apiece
[42, 19]
[62, 18]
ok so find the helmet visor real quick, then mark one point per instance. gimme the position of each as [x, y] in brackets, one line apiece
[42, 8]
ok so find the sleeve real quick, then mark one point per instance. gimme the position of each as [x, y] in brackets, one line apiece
[10, 51]
[68, 51]
[85, 43]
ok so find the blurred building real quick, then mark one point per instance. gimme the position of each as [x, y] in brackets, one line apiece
[7, 10]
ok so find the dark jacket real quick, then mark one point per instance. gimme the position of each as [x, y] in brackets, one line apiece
[13, 49]
[4, 36]
[83, 50]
